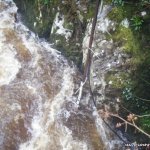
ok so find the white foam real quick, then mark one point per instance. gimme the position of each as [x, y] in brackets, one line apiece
[46, 111]
[7, 18]
[68, 143]
[40, 137]
[104, 25]
[9, 65]
[58, 26]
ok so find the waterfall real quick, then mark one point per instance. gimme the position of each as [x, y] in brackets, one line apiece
[38, 104]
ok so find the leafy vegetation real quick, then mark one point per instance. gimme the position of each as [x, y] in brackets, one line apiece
[136, 22]
[135, 41]
[125, 37]
[118, 2]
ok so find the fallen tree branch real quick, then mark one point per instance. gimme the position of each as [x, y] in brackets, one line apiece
[142, 99]
[80, 91]
[131, 118]
[131, 124]
[140, 116]
[89, 55]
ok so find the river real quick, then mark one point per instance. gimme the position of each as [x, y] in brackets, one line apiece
[38, 98]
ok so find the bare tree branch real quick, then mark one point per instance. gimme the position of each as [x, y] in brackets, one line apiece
[131, 124]
[140, 116]
[143, 99]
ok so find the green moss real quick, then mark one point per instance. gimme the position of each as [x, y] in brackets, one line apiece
[71, 50]
[90, 13]
[106, 2]
[118, 80]
[134, 85]
[145, 123]
[117, 14]
[127, 39]
[68, 25]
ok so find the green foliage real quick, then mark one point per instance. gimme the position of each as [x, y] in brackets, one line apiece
[117, 14]
[145, 2]
[136, 99]
[126, 38]
[136, 89]
[90, 12]
[136, 22]
[127, 93]
[144, 123]
[133, 101]
[118, 80]
[46, 2]
[137, 106]
[118, 2]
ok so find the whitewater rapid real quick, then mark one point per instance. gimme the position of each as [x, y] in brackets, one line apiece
[38, 104]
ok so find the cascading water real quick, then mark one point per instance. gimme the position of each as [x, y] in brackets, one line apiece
[38, 105]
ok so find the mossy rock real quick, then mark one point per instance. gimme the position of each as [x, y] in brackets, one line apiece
[117, 14]
[118, 80]
[127, 39]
